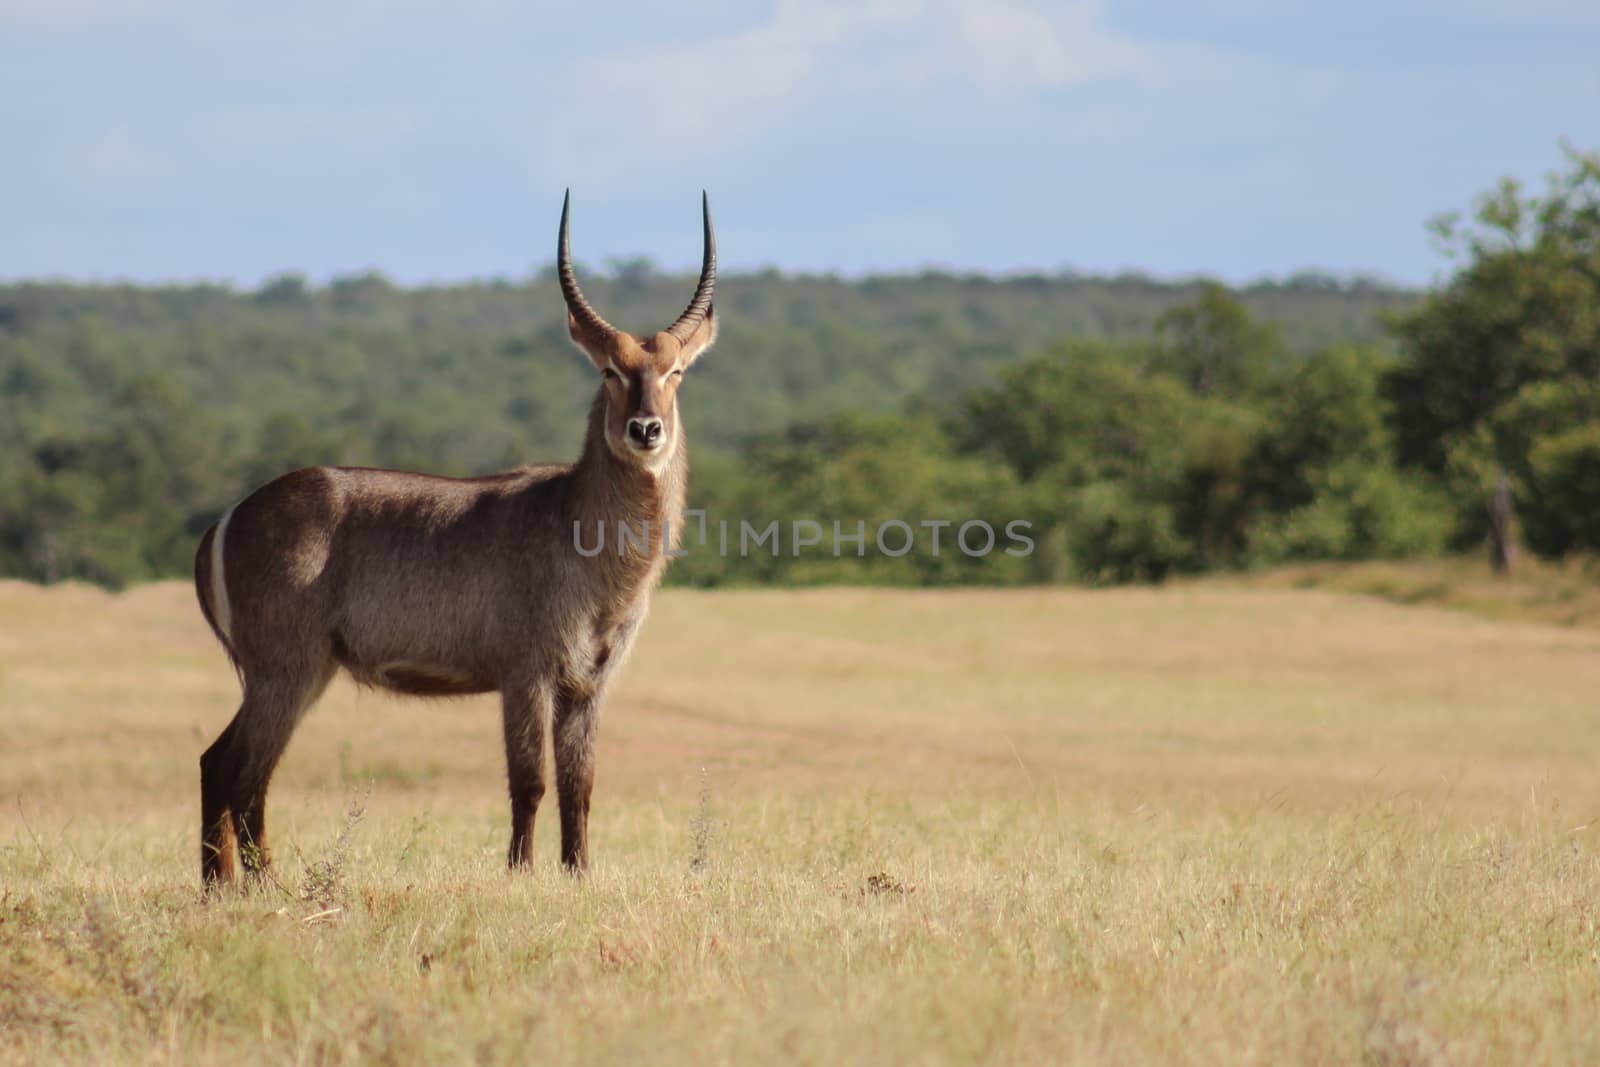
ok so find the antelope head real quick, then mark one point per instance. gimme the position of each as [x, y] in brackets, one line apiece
[640, 375]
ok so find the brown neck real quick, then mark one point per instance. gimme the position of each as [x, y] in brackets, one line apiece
[610, 490]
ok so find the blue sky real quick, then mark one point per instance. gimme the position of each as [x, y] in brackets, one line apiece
[176, 139]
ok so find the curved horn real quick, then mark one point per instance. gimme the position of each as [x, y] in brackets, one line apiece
[695, 313]
[576, 304]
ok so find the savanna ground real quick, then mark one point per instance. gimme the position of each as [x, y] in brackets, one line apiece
[1217, 823]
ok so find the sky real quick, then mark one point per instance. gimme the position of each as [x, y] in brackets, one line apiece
[180, 140]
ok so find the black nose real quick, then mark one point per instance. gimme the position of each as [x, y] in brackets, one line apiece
[645, 433]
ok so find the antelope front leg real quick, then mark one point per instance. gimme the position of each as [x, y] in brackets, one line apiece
[526, 711]
[576, 720]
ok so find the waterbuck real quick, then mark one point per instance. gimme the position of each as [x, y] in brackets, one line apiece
[444, 586]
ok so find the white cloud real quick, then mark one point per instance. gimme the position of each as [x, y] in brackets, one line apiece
[292, 15]
[675, 98]
[1006, 45]
[1569, 13]
[673, 93]
[73, 14]
[120, 156]
[1576, 13]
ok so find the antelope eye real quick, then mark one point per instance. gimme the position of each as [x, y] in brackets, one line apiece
[609, 375]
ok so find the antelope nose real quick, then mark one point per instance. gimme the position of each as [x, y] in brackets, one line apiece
[646, 433]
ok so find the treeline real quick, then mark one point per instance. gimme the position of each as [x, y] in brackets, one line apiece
[1207, 444]
[1211, 441]
[1138, 429]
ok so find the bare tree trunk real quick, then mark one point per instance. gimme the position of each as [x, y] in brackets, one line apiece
[1502, 546]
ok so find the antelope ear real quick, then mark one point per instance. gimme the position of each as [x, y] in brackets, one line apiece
[704, 336]
[592, 343]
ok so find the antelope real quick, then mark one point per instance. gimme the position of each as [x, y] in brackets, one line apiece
[435, 586]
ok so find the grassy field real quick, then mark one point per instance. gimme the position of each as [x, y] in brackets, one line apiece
[1211, 824]
[1564, 594]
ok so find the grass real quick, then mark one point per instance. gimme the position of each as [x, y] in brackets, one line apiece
[1563, 594]
[1211, 824]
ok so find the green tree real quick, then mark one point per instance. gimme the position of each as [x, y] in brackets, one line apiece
[1134, 473]
[1497, 368]
[1524, 307]
[130, 415]
[1215, 346]
[1545, 434]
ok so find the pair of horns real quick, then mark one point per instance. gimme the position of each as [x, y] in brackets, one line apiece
[692, 316]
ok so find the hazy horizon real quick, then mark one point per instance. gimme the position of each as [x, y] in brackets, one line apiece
[610, 270]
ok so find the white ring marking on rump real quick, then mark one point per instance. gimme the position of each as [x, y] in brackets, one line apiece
[219, 580]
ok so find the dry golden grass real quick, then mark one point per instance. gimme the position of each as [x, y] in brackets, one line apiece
[1209, 824]
[1566, 594]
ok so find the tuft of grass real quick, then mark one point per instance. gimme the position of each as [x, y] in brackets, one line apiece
[701, 829]
[883, 883]
[323, 884]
